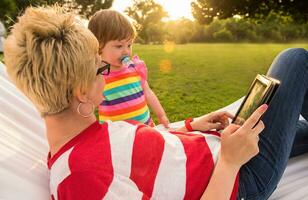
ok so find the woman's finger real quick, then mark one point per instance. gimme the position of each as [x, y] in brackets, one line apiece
[224, 113]
[257, 138]
[254, 118]
[231, 128]
[229, 115]
[222, 117]
[259, 127]
[216, 126]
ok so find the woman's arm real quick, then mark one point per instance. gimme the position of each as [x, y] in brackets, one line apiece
[222, 182]
[223, 178]
[238, 145]
[155, 105]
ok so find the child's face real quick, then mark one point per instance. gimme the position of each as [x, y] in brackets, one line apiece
[114, 50]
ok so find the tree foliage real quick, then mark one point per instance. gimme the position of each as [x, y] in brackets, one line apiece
[180, 31]
[204, 11]
[86, 7]
[7, 9]
[10, 9]
[148, 17]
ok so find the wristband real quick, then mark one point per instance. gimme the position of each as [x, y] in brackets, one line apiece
[188, 125]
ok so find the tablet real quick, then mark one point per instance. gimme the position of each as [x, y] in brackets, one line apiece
[261, 91]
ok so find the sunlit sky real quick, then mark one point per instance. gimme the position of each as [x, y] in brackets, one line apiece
[175, 8]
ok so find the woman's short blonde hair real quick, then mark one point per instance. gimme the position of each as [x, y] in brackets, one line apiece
[49, 55]
[109, 25]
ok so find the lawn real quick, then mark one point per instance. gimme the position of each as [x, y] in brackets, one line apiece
[194, 79]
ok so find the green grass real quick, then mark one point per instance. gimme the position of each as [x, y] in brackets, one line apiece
[1, 57]
[205, 77]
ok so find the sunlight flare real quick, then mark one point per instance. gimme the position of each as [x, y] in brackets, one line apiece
[165, 65]
[169, 47]
[176, 8]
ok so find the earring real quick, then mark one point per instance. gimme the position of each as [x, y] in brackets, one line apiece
[87, 115]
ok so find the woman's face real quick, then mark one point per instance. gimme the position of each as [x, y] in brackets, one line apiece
[96, 94]
[97, 87]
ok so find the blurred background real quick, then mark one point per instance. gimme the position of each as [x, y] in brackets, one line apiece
[201, 54]
[186, 21]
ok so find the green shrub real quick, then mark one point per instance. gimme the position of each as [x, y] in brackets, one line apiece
[223, 35]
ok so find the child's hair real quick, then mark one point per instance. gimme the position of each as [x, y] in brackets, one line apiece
[49, 55]
[109, 25]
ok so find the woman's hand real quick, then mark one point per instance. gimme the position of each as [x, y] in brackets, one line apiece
[216, 120]
[240, 143]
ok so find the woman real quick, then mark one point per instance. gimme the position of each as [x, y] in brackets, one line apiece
[54, 61]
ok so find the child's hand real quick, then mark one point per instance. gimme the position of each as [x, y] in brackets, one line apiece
[164, 121]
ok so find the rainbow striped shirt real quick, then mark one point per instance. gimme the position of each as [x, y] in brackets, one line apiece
[124, 97]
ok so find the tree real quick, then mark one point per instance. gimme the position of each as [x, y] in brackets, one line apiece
[155, 33]
[147, 14]
[10, 9]
[7, 10]
[180, 31]
[205, 10]
[87, 7]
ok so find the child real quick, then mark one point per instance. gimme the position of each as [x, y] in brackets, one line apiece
[127, 92]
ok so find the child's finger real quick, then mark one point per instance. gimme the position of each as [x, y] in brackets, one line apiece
[166, 125]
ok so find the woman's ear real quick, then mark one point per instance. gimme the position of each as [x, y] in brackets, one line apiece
[80, 95]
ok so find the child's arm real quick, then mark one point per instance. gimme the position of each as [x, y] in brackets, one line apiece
[155, 105]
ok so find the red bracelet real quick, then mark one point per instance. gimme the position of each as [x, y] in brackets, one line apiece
[188, 125]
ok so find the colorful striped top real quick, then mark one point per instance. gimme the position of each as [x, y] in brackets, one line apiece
[124, 96]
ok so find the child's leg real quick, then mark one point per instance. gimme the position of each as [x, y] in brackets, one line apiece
[260, 176]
